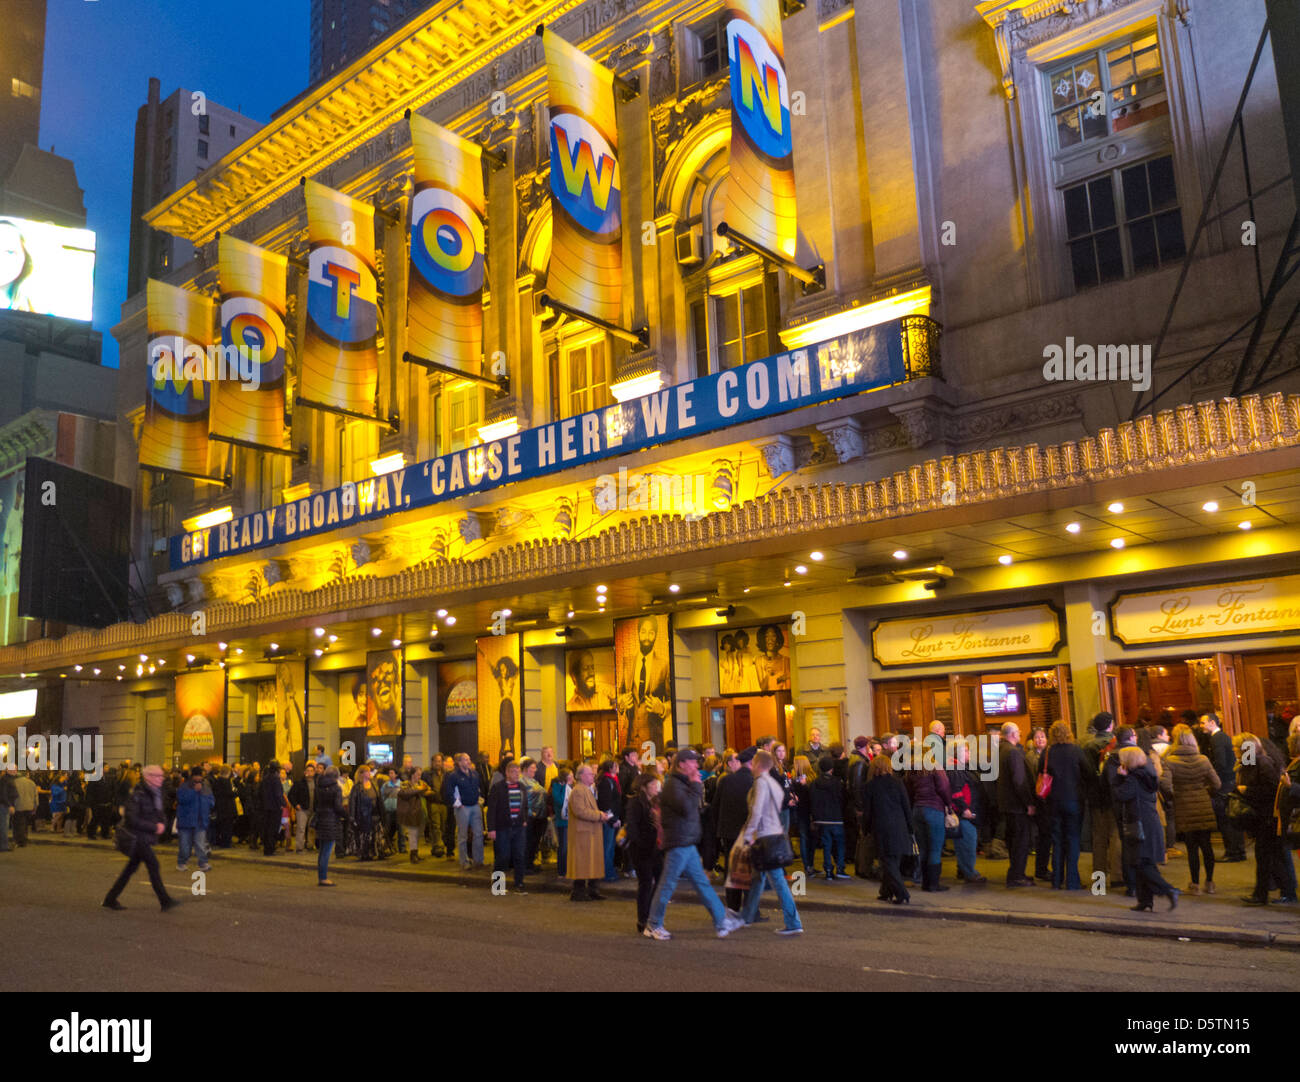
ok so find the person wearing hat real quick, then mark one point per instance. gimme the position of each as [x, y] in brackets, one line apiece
[679, 812]
[194, 803]
[732, 799]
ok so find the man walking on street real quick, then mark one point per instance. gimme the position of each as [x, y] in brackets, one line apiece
[143, 826]
[272, 807]
[679, 805]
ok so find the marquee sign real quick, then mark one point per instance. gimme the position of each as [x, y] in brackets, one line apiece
[1023, 631]
[1182, 614]
[862, 361]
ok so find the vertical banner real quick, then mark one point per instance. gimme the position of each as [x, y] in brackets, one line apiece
[175, 433]
[384, 693]
[11, 537]
[500, 696]
[444, 311]
[760, 183]
[643, 660]
[290, 722]
[586, 268]
[248, 402]
[200, 712]
[340, 359]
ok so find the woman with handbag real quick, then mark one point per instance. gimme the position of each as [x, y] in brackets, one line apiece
[1135, 792]
[769, 846]
[1062, 783]
[888, 815]
[932, 812]
[1259, 769]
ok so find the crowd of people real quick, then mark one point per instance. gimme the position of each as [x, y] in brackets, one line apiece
[1131, 793]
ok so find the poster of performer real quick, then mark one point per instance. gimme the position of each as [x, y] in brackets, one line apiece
[457, 692]
[590, 684]
[643, 660]
[500, 695]
[754, 660]
[290, 722]
[384, 693]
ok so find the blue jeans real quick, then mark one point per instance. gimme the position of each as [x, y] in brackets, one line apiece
[684, 862]
[806, 850]
[1066, 821]
[192, 838]
[965, 844]
[832, 847]
[928, 824]
[323, 858]
[610, 848]
[469, 835]
[774, 878]
[562, 842]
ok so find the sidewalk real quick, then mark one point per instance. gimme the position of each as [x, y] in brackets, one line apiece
[1219, 918]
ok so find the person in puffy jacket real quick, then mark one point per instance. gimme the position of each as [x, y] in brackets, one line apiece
[1195, 784]
[194, 804]
[329, 820]
[142, 827]
[643, 839]
[409, 809]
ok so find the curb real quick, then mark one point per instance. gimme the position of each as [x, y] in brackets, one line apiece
[1202, 933]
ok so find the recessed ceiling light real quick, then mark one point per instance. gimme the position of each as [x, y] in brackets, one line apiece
[318, 651]
[319, 632]
[119, 676]
[162, 661]
[673, 588]
[121, 668]
[275, 646]
[451, 620]
[150, 670]
[144, 657]
[746, 590]
[1244, 525]
[1004, 559]
[570, 616]
[801, 570]
[65, 675]
[816, 556]
[900, 554]
[220, 664]
[376, 631]
[1072, 527]
[600, 589]
[442, 613]
[602, 608]
[221, 646]
[239, 649]
[1115, 507]
[333, 638]
[95, 671]
[397, 642]
[433, 633]
[1210, 505]
[1117, 543]
[788, 583]
[189, 658]
[507, 612]
[139, 670]
[77, 668]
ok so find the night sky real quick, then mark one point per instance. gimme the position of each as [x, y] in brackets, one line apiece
[248, 55]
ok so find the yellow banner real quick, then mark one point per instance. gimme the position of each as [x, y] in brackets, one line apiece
[340, 361]
[760, 183]
[175, 432]
[444, 310]
[1185, 613]
[586, 268]
[1023, 631]
[248, 391]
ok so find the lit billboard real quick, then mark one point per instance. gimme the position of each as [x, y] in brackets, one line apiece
[48, 269]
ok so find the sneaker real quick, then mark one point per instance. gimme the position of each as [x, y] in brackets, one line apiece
[729, 925]
[1209, 887]
[518, 890]
[656, 933]
[205, 867]
[113, 905]
[789, 931]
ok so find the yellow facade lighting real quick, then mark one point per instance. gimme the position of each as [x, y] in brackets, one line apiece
[209, 519]
[910, 303]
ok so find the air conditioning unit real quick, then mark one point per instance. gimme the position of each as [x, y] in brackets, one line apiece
[690, 245]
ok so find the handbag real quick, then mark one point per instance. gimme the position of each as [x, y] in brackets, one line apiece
[1240, 814]
[771, 851]
[1130, 829]
[1044, 785]
[951, 825]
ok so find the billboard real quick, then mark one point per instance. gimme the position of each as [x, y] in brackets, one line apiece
[457, 692]
[500, 695]
[753, 660]
[11, 545]
[643, 659]
[200, 716]
[384, 693]
[175, 432]
[590, 679]
[47, 269]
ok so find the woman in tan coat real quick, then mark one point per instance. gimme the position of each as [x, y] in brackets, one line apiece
[1195, 781]
[586, 838]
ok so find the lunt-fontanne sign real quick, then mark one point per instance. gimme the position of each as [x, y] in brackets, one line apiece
[1023, 631]
[861, 361]
[1183, 614]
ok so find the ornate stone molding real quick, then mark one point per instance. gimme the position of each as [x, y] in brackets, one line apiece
[1188, 435]
[671, 121]
[1016, 417]
[921, 423]
[778, 455]
[845, 438]
[475, 526]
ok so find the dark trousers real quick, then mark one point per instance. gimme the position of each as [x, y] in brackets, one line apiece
[20, 819]
[270, 830]
[1042, 830]
[1018, 828]
[509, 849]
[225, 828]
[1234, 841]
[141, 853]
[648, 867]
[832, 848]
[562, 838]
[735, 898]
[1149, 881]
[536, 829]
[891, 878]
[1199, 845]
[1066, 821]
[1273, 865]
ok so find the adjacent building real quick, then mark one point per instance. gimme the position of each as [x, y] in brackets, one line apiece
[872, 484]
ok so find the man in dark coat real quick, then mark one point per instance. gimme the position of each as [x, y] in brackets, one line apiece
[144, 825]
[1224, 760]
[1106, 851]
[1016, 802]
[272, 807]
[1125, 737]
[887, 814]
[732, 800]
[507, 824]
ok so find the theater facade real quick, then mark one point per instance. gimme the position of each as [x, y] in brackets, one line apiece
[676, 372]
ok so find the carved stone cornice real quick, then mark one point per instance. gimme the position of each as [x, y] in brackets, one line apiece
[1019, 416]
[845, 438]
[778, 454]
[1188, 435]
[672, 120]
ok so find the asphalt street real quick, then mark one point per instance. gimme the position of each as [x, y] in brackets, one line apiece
[270, 928]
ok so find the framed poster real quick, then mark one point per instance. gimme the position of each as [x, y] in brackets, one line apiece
[200, 715]
[265, 698]
[384, 693]
[754, 660]
[589, 683]
[500, 695]
[643, 660]
[290, 719]
[457, 692]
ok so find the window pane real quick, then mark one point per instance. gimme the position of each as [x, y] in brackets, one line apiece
[1164, 192]
[1102, 197]
[1110, 257]
[700, 337]
[1067, 128]
[1077, 222]
[1122, 69]
[1136, 201]
[1083, 263]
[1142, 239]
[1094, 120]
[753, 322]
[1169, 235]
[728, 317]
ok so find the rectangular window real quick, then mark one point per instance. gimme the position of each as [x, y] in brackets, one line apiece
[232, 131]
[464, 415]
[700, 338]
[1108, 91]
[358, 447]
[711, 56]
[203, 149]
[743, 323]
[588, 378]
[203, 124]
